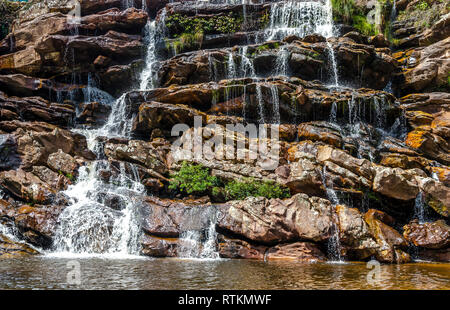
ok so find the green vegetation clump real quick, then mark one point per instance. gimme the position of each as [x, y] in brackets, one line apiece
[238, 190]
[347, 12]
[193, 179]
[8, 12]
[196, 179]
[423, 6]
[179, 25]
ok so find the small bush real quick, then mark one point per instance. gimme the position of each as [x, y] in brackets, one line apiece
[238, 190]
[197, 180]
[423, 6]
[193, 179]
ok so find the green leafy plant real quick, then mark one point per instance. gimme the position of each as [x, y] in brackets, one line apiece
[423, 6]
[196, 179]
[193, 179]
[237, 190]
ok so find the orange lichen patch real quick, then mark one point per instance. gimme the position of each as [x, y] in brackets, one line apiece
[7, 62]
[442, 120]
[25, 209]
[443, 174]
[404, 161]
[415, 138]
[419, 118]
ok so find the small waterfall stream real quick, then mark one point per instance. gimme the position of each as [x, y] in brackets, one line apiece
[334, 243]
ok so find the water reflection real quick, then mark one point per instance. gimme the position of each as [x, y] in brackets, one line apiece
[98, 273]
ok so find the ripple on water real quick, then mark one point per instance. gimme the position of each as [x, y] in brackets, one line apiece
[100, 272]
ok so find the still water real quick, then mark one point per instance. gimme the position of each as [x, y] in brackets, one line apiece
[145, 273]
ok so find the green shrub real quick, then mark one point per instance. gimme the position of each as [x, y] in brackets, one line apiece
[360, 22]
[238, 190]
[196, 179]
[343, 10]
[193, 179]
[179, 25]
[422, 5]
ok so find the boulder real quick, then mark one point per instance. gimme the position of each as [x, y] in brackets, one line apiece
[237, 248]
[26, 186]
[150, 155]
[63, 163]
[390, 243]
[429, 67]
[354, 233]
[36, 224]
[298, 251]
[432, 235]
[275, 221]
[396, 183]
[437, 195]
[155, 115]
[14, 249]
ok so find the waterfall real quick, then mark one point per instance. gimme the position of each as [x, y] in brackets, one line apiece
[419, 208]
[102, 215]
[259, 97]
[198, 236]
[302, 18]
[282, 61]
[299, 18]
[276, 104]
[147, 73]
[231, 74]
[334, 243]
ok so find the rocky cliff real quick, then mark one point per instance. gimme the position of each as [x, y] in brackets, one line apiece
[87, 105]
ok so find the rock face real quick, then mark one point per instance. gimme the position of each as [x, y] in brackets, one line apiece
[275, 221]
[358, 128]
[11, 249]
[434, 235]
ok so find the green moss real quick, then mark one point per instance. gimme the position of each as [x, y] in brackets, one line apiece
[360, 22]
[179, 25]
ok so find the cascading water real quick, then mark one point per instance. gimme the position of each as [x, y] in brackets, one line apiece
[334, 243]
[302, 18]
[198, 238]
[102, 215]
[419, 208]
[299, 18]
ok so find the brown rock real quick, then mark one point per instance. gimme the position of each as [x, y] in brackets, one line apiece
[354, 233]
[390, 242]
[275, 221]
[396, 183]
[298, 251]
[13, 249]
[435, 235]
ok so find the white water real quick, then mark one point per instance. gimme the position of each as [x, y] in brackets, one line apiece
[300, 19]
[334, 242]
[90, 226]
[419, 208]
